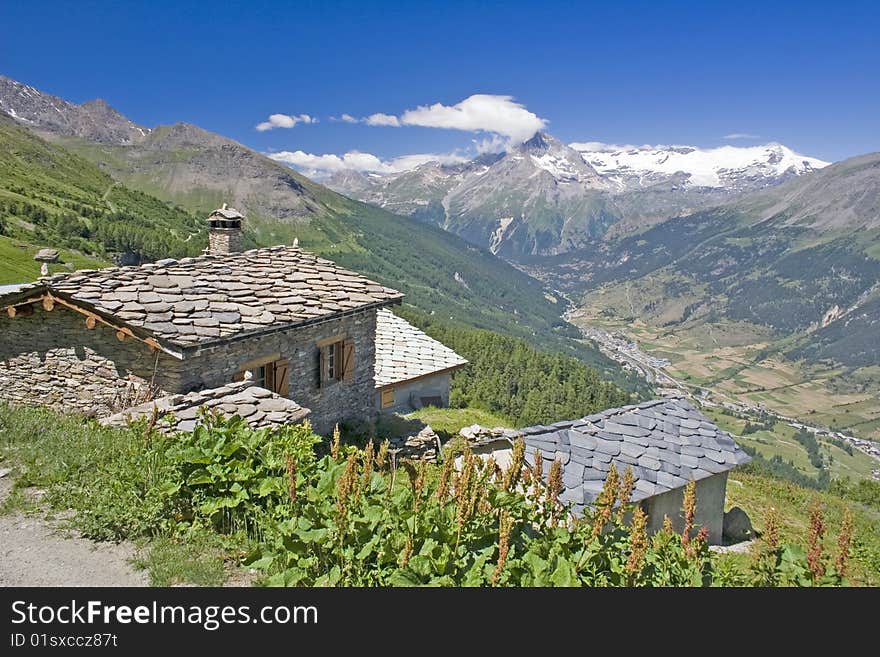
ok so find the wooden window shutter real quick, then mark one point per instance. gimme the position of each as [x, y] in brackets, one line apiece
[388, 398]
[347, 360]
[268, 372]
[320, 377]
[280, 377]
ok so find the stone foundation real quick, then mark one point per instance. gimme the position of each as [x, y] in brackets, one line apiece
[52, 359]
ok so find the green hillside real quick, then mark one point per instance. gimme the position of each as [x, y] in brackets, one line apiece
[17, 264]
[51, 197]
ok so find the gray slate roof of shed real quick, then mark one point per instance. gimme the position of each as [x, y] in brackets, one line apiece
[666, 442]
[196, 301]
[259, 408]
[403, 352]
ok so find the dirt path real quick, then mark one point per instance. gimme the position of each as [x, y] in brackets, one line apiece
[34, 553]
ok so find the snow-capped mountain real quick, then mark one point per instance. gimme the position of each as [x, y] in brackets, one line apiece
[728, 167]
[546, 197]
[532, 199]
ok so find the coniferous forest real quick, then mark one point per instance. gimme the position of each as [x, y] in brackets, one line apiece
[510, 377]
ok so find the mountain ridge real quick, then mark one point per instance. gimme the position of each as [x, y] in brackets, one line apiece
[543, 197]
[94, 120]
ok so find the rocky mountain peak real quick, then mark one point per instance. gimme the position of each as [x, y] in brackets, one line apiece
[539, 143]
[94, 120]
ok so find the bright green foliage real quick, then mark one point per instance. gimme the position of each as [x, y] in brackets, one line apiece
[354, 525]
[354, 519]
[230, 475]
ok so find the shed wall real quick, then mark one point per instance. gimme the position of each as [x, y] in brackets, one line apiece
[407, 394]
[710, 494]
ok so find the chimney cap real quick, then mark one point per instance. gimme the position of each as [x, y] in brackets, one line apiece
[227, 213]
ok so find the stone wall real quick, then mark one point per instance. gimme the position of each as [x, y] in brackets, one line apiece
[52, 359]
[222, 240]
[337, 401]
[710, 494]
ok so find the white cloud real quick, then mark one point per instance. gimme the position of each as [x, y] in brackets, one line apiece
[492, 144]
[479, 113]
[407, 162]
[321, 166]
[382, 119]
[284, 121]
[741, 135]
[497, 115]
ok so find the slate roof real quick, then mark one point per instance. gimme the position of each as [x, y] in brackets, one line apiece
[404, 352]
[666, 442]
[258, 406]
[194, 301]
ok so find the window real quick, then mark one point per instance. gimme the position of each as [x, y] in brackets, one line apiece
[335, 360]
[268, 372]
[388, 398]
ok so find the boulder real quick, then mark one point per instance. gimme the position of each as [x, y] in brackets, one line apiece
[737, 526]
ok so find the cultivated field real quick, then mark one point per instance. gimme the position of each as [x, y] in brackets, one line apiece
[736, 362]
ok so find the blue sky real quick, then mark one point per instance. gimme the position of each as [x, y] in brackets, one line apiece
[804, 74]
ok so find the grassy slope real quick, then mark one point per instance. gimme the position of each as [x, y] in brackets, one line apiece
[17, 264]
[756, 494]
[52, 197]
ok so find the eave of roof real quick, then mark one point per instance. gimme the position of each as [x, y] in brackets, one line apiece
[445, 370]
[27, 294]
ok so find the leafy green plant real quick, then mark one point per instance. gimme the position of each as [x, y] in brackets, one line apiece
[232, 476]
[359, 517]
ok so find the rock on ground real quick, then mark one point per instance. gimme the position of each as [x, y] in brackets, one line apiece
[737, 526]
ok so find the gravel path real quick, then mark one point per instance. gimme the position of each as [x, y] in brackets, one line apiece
[34, 553]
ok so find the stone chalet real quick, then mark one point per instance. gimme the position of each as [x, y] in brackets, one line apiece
[277, 319]
[666, 442]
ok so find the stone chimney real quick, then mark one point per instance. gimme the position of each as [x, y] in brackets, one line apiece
[224, 231]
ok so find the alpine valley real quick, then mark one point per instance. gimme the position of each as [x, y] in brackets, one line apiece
[86, 178]
[751, 273]
[755, 272]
